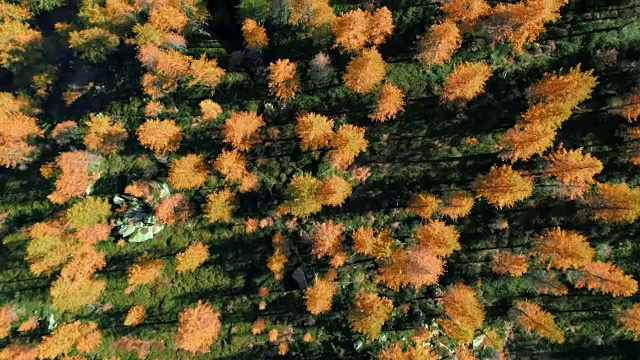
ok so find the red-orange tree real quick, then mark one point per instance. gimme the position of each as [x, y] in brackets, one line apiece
[240, 129]
[319, 296]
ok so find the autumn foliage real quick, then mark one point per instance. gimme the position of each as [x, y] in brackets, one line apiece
[533, 318]
[282, 79]
[219, 206]
[366, 241]
[631, 107]
[390, 103]
[254, 35]
[335, 190]
[188, 172]
[314, 130]
[305, 195]
[144, 271]
[370, 311]
[172, 209]
[508, 263]
[456, 204]
[615, 203]
[135, 315]
[439, 44]
[17, 131]
[198, 328]
[465, 11]
[78, 171]
[606, 278]
[356, 28]
[102, 136]
[465, 82]
[314, 13]
[463, 313]
[424, 205]
[319, 296]
[85, 337]
[502, 186]
[191, 258]
[347, 143]
[240, 129]
[160, 136]
[326, 238]
[364, 71]
[630, 319]
[438, 238]
[563, 249]
[573, 169]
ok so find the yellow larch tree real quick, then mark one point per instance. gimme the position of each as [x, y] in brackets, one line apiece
[102, 136]
[524, 140]
[567, 90]
[240, 129]
[304, 195]
[631, 108]
[390, 102]
[351, 29]
[370, 311]
[93, 44]
[335, 190]
[188, 172]
[438, 238]
[326, 238]
[502, 186]
[439, 44]
[314, 13]
[380, 26]
[135, 315]
[160, 136]
[548, 114]
[50, 246]
[456, 204]
[424, 205]
[144, 271]
[395, 351]
[219, 206]
[393, 272]
[563, 249]
[254, 35]
[282, 78]
[465, 11]
[573, 168]
[365, 71]
[314, 130]
[606, 278]
[210, 109]
[508, 263]
[232, 164]
[205, 72]
[465, 82]
[615, 203]
[168, 17]
[319, 296]
[191, 258]
[533, 318]
[630, 319]
[85, 337]
[367, 242]
[277, 261]
[463, 313]
[198, 328]
[347, 143]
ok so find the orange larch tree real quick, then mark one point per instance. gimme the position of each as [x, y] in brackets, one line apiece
[456, 204]
[563, 249]
[240, 129]
[326, 238]
[188, 172]
[370, 311]
[423, 205]
[319, 296]
[277, 261]
[630, 319]
[335, 190]
[393, 271]
[135, 315]
[463, 313]
[439, 44]
[573, 169]
[7, 317]
[231, 164]
[198, 328]
[84, 336]
[102, 136]
[438, 238]
[219, 206]
[205, 72]
[380, 26]
[548, 114]
[607, 278]
[160, 136]
[351, 29]
[210, 109]
[423, 268]
[524, 140]
[347, 143]
[144, 271]
[465, 82]
[502, 186]
[50, 246]
[631, 108]
[533, 318]
[283, 81]
[254, 35]
[314, 13]
[506, 262]
[366, 242]
[465, 11]
[17, 130]
[568, 90]
[314, 130]
[78, 171]
[390, 102]
[365, 71]
[615, 203]
[171, 209]
[191, 258]
[396, 352]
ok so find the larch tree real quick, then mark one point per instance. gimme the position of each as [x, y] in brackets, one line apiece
[304, 195]
[276, 262]
[314, 130]
[254, 35]
[144, 271]
[282, 79]
[85, 337]
[172, 209]
[502, 186]
[548, 114]
[17, 132]
[50, 246]
[351, 29]
[395, 351]
[232, 164]
[568, 90]
[102, 136]
[191, 258]
[188, 172]
[365, 71]
[563, 249]
[524, 140]
[631, 108]
[438, 238]
[320, 295]
[94, 44]
[335, 190]
[424, 205]
[314, 13]
[423, 268]
[347, 143]
[78, 171]
[573, 169]
[219, 206]
[389, 104]
[326, 238]
[456, 204]
[463, 313]
[369, 313]
[241, 128]
[160, 136]
[367, 242]
[630, 319]
[606, 278]
[465, 11]
[533, 318]
[198, 328]
[135, 315]
[205, 72]
[615, 203]
[508, 263]
[380, 26]
[7, 317]
[210, 109]
[465, 82]
[439, 44]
